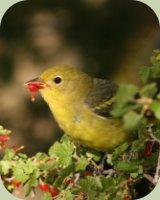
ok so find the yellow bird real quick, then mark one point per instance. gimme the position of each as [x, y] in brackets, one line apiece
[81, 105]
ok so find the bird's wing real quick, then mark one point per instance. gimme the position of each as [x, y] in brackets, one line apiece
[101, 97]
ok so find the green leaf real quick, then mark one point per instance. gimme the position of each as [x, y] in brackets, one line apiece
[67, 171]
[4, 131]
[62, 152]
[10, 188]
[46, 196]
[158, 57]
[5, 167]
[66, 139]
[124, 100]
[153, 59]
[152, 159]
[156, 51]
[19, 174]
[120, 149]
[148, 90]
[110, 159]
[23, 170]
[90, 187]
[145, 73]
[131, 120]
[29, 166]
[138, 145]
[157, 131]
[101, 196]
[126, 93]
[120, 109]
[48, 165]
[32, 182]
[68, 195]
[91, 184]
[118, 198]
[81, 164]
[133, 167]
[92, 154]
[41, 156]
[22, 155]
[9, 154]
[134, 175]
[107, 183]
[155, 106]
[156, 71]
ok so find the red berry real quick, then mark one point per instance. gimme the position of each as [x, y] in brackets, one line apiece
[32, 87]
[148, 149]
[44, 187]
[16, 183]
[54, 192]
[4, 138]
[88, 173]
[69, 181]
[147, 153]
[127, 198]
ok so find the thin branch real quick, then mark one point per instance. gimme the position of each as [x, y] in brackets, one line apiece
[109, 172]
[149, 178]
[156, 177]
[152, 136]
[155, 138]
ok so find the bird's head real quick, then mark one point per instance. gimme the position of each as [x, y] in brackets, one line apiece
[61, 83]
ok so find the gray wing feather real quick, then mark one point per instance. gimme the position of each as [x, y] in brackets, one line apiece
[99, 99]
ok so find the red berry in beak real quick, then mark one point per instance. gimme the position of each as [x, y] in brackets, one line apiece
[34, 85]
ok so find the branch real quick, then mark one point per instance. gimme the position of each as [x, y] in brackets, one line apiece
[149, 178]
[156, 177]
[154, 138]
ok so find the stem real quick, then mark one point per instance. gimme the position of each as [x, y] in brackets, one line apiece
[154, 138]
[149, 178]
[156, 177]
[157, 173]
[109, 172]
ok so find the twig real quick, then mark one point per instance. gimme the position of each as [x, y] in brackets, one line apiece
[156, 177]
[109, 172]
[149, 178]
[154, 180]
[154, 138]
[77, 176]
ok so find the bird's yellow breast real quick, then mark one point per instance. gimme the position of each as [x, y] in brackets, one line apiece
[88, 128]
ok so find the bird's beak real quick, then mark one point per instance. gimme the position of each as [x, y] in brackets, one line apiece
[35, 85]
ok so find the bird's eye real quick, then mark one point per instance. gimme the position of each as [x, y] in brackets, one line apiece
[57, 80]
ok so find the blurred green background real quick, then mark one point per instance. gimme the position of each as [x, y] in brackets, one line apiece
[110, 39]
